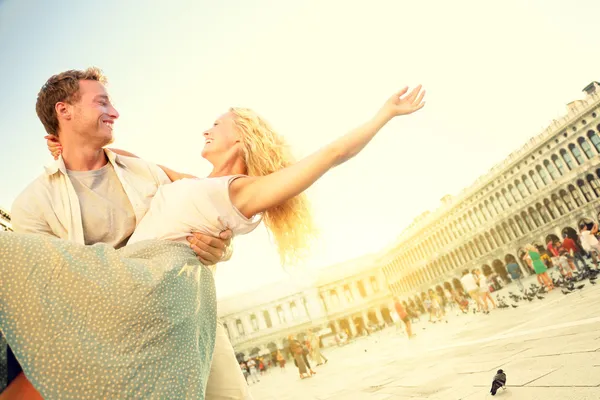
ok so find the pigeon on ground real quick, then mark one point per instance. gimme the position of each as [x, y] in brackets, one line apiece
[513, 306]
[580, 286]
[498, 382]
[565, 292]
[539, 297]
[592, 282]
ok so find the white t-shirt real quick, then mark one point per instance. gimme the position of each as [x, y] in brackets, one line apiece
[469, 283]
[192, 205]
[588, 241]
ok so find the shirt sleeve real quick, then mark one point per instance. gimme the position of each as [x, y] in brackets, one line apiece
[27, 218]
[230, 216]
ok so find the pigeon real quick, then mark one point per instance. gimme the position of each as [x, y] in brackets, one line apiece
[580, 286]
[565, 292]
[498, 382]
[592, 282]
[539, 297]
[514, 306]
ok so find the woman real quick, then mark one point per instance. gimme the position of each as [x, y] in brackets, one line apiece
[538, 266]
[139, 322]
[484, 289]
[315, 348]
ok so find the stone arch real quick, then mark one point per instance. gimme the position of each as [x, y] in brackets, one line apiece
[584, 187]
[386, 314]
[457, 285]
[486, 270]
[594, 139]
[500, 269]
[552, 238]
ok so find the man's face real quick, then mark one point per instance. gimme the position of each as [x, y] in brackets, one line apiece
[93, 115]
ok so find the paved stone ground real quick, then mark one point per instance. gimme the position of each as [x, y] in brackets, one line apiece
[549, 349]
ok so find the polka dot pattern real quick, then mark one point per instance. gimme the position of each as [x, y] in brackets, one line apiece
[92, 322]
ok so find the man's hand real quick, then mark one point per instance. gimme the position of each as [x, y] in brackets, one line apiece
[210, 250]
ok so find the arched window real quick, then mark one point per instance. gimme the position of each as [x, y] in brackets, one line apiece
[527, 221]
[502, 201]
[281, 315]
[541, 210]
[521, 225]
[534, 217]
[515, 193]
[594, 184]
[267, 318]
[536, 179]
[585, 146]
[514, 229]
[576, 153]
[522, 190]
[495, 237]
[575, 195]
[550, 206]
[509, 233]
[507, 197]
[496, 206]
[501, 234]
[483, 211]
[564, 196]
[254, 322]
[553, 172]
[567, 158]
[335, 298]
[490, 208]
[240, 327]
[543, 174]
[530, 187]
[558, 203]
[585, 189]
[594, 139]
[559, 164]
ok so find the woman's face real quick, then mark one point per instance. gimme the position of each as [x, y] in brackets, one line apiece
[221, 138]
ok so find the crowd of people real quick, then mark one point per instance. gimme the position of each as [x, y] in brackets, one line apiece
[568, 257]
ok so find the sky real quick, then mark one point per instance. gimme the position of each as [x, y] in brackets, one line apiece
[496, 74]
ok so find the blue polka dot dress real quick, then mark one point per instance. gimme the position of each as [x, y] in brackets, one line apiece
[92, 322]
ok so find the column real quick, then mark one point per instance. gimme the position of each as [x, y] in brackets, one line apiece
[379, 316]
[288, 312]
[355, 291]
[247, 324]
[336, 325]
[367, 285]
[274, 316]
[352, 327]
[365, 317]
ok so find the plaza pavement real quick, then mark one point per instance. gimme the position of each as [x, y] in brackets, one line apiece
[549, 349]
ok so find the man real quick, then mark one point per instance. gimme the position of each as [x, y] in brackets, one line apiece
[472, 288]
[91, 195]
[515, 274]
[573, 252]
[589, 241]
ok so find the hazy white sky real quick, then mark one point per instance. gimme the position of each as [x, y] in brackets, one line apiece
[496, 74]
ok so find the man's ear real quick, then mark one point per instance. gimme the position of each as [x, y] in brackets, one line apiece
[63, 110]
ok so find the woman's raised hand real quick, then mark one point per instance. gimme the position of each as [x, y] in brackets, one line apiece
[53, 146]
[403, 104]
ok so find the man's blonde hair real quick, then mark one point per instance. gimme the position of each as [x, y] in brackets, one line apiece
[265, 152]
[63, 87]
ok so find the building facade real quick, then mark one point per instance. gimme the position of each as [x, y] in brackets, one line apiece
[540, 191]
[346, 297]
[5, 220]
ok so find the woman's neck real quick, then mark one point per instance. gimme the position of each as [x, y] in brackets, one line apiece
[229, 167]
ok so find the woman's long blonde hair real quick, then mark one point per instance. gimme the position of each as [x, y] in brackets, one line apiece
[265, 152]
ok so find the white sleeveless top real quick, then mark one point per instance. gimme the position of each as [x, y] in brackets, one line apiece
[192, 205]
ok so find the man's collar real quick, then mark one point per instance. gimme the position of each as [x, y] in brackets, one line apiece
[59, 165]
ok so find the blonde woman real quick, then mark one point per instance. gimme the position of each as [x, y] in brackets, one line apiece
[539, 267]
[139, 322]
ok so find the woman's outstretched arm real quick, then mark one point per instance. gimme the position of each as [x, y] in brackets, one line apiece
[252, 195]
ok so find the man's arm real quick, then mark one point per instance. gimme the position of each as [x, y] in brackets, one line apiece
[27, 218]
[173, 175]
